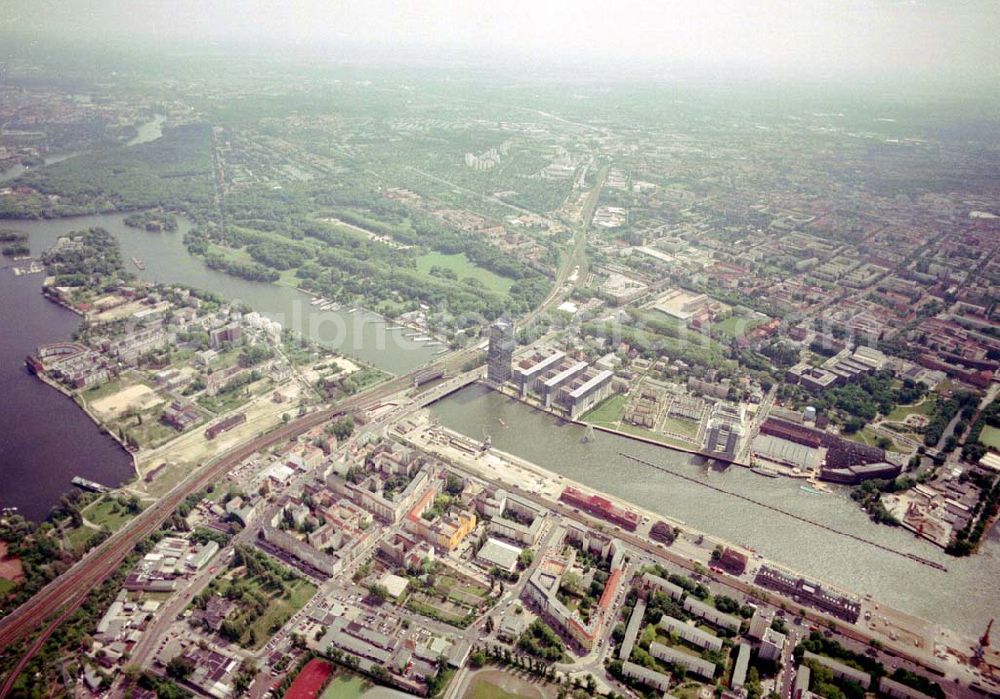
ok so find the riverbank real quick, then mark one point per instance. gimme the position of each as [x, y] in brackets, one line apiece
[954, 599]
[928, 643]
[771, 471]
[46, 439]
[79, 402]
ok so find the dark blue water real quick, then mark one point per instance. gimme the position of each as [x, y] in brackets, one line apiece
[45, 439]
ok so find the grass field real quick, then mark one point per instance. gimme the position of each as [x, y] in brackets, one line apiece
[688, 428]
[656, 437]
[497, 684]
[608, 412]
[900, 412]
[736, 326]
[482, 689]
[867, 436]
[152, 433]
[463, 268]
[990, 436]
[281, 609]
[107, 389]
[107, 512]
[345, 687]
[6, 586]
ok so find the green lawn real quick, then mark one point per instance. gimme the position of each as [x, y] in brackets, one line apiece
[107, 389]
[462, 267]
[6, 586]
[106, 512]
[734, 325]
[481, 689]
[867, 436]
[608, 412]
[990, 436]
[688, 428]
[900, 412]
[281, 609]
[656, 437]
[345, 687]
[151, 433]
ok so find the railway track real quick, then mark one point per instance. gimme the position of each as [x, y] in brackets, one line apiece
[55, 602]
[51, 605]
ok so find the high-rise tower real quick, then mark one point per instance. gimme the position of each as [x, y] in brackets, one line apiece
[500, 354]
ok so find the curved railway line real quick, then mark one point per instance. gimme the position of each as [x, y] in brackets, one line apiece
[55, 602]
[64, 594]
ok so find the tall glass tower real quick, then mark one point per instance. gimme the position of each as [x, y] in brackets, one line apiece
[500, 354]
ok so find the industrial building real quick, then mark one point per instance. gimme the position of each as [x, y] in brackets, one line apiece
[601, 507]
[499, 554]
[808, 592]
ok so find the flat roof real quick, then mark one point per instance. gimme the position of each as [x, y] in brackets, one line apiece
[542, 364]
[500, 553]
[590, 384]
[565, 374]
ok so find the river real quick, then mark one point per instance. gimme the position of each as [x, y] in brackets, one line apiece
[46, 439]
[956, 599]
[37, 460]
[362, 335]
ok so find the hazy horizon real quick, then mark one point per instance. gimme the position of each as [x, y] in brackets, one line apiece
[866, 40]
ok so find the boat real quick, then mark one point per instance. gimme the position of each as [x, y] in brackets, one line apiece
[90, 485]
[138, 263]
[812, 491]
[766, 472]
[316, 301]
[421, 338]
[352, 310]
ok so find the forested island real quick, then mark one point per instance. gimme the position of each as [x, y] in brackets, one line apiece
[153, 221]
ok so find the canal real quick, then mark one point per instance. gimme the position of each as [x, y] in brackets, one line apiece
[955, 599]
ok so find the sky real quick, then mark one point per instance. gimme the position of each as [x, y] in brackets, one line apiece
[942, 39]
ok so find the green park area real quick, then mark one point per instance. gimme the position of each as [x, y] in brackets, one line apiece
[266, 594]
[737, 326]
[868, 436]
[681, 426]
[497, 684]
[458, 268]
[608, 413]
[990, 436]
[924, 407]
[345, 687]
